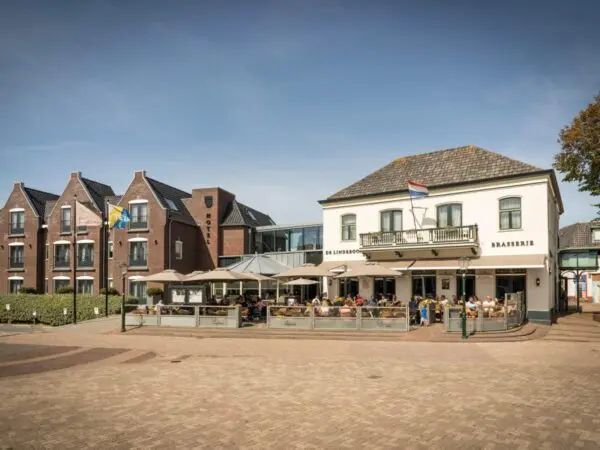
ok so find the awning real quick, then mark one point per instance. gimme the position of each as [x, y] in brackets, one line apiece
[485, 262]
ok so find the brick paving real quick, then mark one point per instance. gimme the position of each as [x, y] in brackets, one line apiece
[259, 393]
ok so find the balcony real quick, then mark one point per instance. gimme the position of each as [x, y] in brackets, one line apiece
[138, 262]
[422, 238]
[62, 263]
[138, 223]
[85, 263]
[16, 230]
[65, 226]
[15, 264]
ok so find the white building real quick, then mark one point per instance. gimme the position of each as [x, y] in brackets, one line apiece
[501, 213]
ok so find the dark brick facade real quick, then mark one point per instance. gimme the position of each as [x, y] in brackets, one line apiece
[193, 219]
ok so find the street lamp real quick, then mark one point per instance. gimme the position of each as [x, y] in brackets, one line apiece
[123, 267]
[464, 265]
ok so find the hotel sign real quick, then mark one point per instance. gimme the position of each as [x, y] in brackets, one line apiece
[342, 252]
[512, 244]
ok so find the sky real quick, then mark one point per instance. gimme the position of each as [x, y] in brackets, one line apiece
[285, 102]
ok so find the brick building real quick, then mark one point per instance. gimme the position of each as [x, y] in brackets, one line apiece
[169, 228]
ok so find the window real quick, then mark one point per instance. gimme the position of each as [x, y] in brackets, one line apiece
[178, 249]
[16, 253]
[171, 204]
[85, 286]
[391, 220]
[61, 284]
[110, 249]
[139, 216]
[17, 222]
[65, 219]
[46, 286]
[449, 215]
[349, 227]
[137, 289]
[85, 254]
[47, 252]
[296, 239]
[138, 254]
[15, 286]
[596, 235]
[62, 258]
[510, 213]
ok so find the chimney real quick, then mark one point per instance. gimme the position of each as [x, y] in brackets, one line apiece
[19, 184]
[140, 173]
[75, 175]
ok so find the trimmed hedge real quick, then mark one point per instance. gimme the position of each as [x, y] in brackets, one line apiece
[153, 291]
[49, 308]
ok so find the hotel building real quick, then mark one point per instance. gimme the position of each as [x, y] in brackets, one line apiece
[501, 214]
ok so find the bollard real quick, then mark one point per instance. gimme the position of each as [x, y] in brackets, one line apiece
[34, 315]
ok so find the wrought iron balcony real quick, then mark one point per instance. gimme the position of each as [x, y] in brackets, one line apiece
[138, 223]
[62, 263]
[138, 262]
[15, 264]
[16, 229]
[427, 237]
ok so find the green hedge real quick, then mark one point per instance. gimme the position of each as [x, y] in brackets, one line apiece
[49, 308]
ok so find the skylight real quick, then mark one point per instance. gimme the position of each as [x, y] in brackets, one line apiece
[251, 215]
[171, 204]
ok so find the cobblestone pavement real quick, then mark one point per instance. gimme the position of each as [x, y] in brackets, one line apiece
[253, 393]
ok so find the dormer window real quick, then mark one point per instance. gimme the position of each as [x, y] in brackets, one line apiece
[596, 235]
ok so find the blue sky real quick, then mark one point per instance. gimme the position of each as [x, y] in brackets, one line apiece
[285, 102]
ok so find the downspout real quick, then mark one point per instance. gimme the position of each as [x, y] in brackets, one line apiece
[170, 243]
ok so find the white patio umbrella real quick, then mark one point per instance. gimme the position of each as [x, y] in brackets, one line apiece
[305, 270]
[222, 275]
[191, 275]
[301, 282]
[166, 276]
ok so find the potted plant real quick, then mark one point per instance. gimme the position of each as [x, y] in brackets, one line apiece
[155, 294]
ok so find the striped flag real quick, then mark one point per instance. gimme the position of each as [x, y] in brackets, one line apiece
[416, 190]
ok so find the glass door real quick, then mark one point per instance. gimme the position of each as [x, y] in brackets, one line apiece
[469, 286]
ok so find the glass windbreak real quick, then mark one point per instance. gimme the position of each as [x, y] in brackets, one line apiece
[312, 238]
[581, 260]
[290, 239]
[296, 239]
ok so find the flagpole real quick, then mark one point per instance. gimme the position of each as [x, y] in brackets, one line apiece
[106, 235]
[74, 231]
[412, 208]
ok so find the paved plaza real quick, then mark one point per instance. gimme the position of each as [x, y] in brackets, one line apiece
[67, 389]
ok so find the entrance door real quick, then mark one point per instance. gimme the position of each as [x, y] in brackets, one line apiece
[510, 284]
[424, 286]
[384, 286]
[469, 286]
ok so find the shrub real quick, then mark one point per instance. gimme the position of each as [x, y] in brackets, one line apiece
[64, 290]
[154, 292]
[111, 291]
[28, 290]
[49, 308]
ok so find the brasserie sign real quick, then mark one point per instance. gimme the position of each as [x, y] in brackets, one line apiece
[512, 244]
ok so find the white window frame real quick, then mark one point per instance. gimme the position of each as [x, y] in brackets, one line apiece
[137, 239]
[500, 211]
[394, 229]
[15, 211]
[85, 278]
[350, 238]
[594, 231]
[64, 242]
[15, 278]
[10, 246]
[111, 249]
[178, 249]
[139, 202]
[62, 209]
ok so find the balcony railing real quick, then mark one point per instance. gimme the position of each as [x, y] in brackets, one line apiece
[138, 262]
[424, 237]
[16, 264]
[138, 223]
[65, 226]
[85, 262]
[16, 229]
[62, 263]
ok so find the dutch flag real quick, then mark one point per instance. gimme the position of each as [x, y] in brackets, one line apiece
[417, 190]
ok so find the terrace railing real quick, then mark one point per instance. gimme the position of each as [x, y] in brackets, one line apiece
[368, 318]
[423, 237]
[183, 316]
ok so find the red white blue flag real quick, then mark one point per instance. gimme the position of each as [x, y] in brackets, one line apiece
[417, 190]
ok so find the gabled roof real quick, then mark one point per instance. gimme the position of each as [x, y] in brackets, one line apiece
[171, 198]
[242, 215]
[444, 167]
[41, 201]
[578, 236]
[98, 191]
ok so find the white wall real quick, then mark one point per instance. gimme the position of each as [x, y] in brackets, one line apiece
[480, 207]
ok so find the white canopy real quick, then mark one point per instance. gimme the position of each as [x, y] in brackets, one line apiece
[301, 282]
[166, 276]
[369, 270]
[222, 275]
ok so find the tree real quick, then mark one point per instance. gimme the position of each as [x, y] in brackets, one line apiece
[579, 159]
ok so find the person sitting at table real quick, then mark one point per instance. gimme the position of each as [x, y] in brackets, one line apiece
[471, 305]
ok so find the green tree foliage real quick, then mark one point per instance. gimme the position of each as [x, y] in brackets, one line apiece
[579, 159]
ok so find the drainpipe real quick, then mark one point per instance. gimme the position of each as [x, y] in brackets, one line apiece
[170, 246]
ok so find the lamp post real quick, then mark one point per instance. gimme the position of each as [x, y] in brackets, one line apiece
[464, 265]
[123, 267]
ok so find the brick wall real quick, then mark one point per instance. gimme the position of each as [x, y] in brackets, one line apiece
[32, 276]
[234, 241]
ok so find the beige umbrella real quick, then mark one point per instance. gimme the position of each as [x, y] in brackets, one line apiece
[369, 270]
[193, 274]
[301, 282]
[257, 276]
[222, 275]
[305, 270]
[166, 276]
